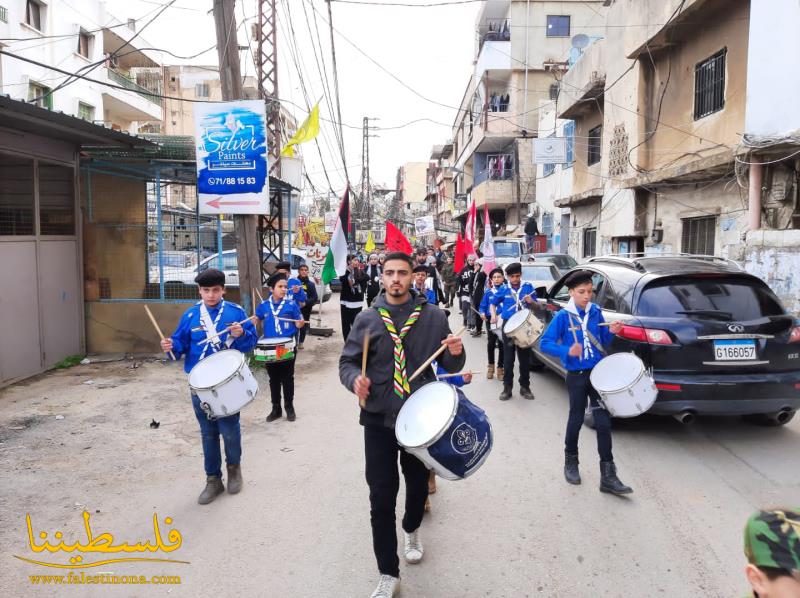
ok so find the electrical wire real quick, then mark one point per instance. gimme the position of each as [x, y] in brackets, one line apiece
[336, 87]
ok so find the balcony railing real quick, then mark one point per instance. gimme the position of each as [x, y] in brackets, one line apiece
[128, 84]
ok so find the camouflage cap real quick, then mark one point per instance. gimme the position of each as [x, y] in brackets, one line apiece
[772, 539]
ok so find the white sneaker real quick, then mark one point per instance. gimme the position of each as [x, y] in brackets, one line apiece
[387, 587]
[414, 550]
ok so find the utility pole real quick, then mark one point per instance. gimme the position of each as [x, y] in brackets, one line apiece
[248, 252]
[366, 195]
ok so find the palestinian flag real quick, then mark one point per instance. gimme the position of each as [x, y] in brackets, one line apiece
[336, 258]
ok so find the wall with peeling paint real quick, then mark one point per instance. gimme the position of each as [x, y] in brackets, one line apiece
[774, 256]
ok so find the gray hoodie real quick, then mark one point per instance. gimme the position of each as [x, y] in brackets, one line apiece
[421, 342]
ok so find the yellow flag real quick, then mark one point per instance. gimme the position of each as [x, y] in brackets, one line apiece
[369, 246]
[307, 131]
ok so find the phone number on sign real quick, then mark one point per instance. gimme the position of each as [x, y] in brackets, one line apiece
[250, 180]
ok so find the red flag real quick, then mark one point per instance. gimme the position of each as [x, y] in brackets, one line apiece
[396, 240]
[459, 257]
[469, 231]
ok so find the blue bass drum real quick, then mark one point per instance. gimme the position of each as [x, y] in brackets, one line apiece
[438, 425]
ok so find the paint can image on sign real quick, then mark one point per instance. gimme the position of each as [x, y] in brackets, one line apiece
[231, 141]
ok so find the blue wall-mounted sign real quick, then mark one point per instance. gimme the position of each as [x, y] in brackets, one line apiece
[232, 169]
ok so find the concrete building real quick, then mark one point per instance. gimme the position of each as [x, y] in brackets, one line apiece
[441, 191]
[684, 137]
[56, 35]
[518, 44]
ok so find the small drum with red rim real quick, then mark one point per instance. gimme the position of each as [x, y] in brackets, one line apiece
[273, 350]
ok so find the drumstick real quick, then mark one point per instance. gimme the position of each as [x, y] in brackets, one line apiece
[440, 376]
[571, 327]
[438, 352]
[227, 329]
[604, 324]
[291, 320]
[364, 353]
[158, 329]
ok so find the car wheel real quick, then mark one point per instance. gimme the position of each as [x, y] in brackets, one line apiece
[780, 418]
[588, 419]
[536, 363]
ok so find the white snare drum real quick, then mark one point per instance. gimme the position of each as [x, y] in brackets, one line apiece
[623, 383]
[271, 350]
[223, 383]
[523, 328]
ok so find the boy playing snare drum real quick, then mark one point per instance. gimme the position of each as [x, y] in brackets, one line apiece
[210, 315]
[496, 280]
[577, 338]
[281, 317]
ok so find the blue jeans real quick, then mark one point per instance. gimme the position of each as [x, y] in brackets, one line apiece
[580, 391]
[210, 431]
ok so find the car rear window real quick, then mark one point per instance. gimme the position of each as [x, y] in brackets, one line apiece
[506, 249]
[717, 298]
[562, 262]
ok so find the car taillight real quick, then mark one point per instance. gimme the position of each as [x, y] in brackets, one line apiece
[672, 387]
[653, 336]
[794, 337]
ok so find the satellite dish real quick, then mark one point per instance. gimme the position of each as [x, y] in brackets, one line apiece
[580, 41]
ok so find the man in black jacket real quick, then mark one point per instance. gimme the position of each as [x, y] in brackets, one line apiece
[351, 299]
[399, 320]
[531, 230]
[312, 299]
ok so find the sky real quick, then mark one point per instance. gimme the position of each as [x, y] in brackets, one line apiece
[429, 49]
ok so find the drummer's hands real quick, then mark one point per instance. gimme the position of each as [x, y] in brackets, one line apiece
[615, 327]
[528, 299]
[454, 344]
[296, 288]
[494, 319]
[483, 317]
[166, 345]
[236, 330]
[576, 350]
[361, 388]
[300, 323]
[467, 377]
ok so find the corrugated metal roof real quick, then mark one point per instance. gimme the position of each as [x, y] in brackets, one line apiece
[22, 116]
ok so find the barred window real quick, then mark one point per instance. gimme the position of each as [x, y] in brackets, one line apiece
[697, 236]
[202, 90]
[595, 144]
[709, 85]
[589, 242]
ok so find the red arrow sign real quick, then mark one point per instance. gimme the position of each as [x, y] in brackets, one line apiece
[216, 203]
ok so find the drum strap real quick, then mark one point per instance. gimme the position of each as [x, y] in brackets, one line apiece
[587, 334]
[401, 385]
[211, 328]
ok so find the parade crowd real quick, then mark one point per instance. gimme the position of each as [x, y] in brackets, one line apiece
[395, 314]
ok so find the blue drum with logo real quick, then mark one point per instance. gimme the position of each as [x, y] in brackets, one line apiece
[438, 425]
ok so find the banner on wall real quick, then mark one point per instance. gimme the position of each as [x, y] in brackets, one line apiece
[231, 144]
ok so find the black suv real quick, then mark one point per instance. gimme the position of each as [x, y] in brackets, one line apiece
[716, 340]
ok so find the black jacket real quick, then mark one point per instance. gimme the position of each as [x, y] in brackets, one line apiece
[531, 227]
[421, 342]
[353, 288]
[311, 291]
[479, 285]
[373, 286]
[466, 280]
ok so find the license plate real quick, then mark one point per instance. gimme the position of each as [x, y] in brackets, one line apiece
[743, 350]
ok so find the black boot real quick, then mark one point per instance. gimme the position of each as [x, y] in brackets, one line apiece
[290, 414]
[609, 482]
[571, 472]
[526, 393]
[276, 413]
[506, 394]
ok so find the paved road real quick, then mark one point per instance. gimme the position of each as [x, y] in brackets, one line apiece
[301, 526]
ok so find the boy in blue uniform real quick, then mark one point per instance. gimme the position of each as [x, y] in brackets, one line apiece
[420, 276]
[513, 297]
[208, 316]
[294, 286]
[576, 337]
[496, 280]
[281, 373]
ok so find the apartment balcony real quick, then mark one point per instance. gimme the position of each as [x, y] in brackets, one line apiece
[584, 82]
[495, 193]
[134, 103]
